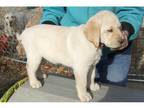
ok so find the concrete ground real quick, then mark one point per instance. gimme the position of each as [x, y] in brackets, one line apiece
[59, 89]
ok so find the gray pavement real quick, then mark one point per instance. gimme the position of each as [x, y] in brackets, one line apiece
[59, 89]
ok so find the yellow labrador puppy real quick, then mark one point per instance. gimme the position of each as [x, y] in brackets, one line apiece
[76, 47]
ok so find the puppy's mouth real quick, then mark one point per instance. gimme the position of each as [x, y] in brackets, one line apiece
[117, 48]
[113, 47]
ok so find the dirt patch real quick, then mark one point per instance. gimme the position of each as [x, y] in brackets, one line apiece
[10, 72]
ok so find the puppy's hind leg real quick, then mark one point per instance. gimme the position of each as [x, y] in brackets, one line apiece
[32, 66]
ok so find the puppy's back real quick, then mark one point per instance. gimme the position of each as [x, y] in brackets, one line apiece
[45, 30]
[48, 41]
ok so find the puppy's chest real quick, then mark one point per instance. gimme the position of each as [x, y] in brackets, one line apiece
[97, 56]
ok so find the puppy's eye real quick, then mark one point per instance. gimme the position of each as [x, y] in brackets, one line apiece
[110, 30]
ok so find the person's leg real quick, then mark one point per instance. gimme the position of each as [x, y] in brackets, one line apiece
[115, 67]
[119, 68]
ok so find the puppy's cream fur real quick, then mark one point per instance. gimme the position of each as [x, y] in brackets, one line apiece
[77, 47]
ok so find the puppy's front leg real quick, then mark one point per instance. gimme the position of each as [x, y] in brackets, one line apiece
[93, 85]
[81, 73]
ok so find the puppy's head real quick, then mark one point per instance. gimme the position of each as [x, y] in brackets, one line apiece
[10, 19]
[104, 28]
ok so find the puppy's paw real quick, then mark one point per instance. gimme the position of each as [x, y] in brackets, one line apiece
[94, 87]
[85, 97]
[35, 84]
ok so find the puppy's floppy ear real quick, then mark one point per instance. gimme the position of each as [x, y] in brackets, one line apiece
[92, 32]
